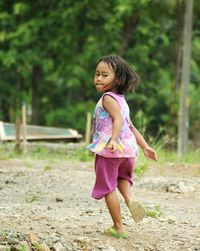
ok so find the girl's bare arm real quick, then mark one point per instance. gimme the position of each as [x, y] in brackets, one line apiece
[113, 108]
[149, 152]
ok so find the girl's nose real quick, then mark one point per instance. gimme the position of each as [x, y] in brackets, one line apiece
[99, 79]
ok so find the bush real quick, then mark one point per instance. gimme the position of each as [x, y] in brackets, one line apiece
[73, 116]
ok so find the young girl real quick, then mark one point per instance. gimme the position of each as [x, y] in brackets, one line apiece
[115, 140]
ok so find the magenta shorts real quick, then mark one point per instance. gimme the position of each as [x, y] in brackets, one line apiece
[108, 171]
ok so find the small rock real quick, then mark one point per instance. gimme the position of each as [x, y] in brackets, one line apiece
[12, 241]
[149, 247]
[89, 211]
[108, 248]
[58, 247]
[99, 222]
[171, 221]
[2, 238]
[32, 238]
[59, 199]
[4, 248]
[44, 247]
[88, 231]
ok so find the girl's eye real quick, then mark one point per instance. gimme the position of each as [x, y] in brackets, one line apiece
[103, 75]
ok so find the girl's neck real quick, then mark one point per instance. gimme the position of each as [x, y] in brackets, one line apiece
[112, 90]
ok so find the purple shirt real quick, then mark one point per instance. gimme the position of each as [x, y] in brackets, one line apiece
[102, 131]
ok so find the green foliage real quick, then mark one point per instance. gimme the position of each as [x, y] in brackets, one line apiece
[82, 154]
[62, 153]
[8, 151]
[166, 154]
[72, 116]
[22, 247]
[194, 108]
[32, 198]
[140, 168]
[39, 152]
[49, 50]
[36, 246]
[170, 156]
[47, 168]
[154, 212]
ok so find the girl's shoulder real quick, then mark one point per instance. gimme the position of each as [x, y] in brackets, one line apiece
[114, 95]
[118, 97]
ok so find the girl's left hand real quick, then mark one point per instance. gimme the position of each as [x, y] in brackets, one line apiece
[150, 153]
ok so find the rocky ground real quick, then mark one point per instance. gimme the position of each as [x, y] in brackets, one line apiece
[47, 206]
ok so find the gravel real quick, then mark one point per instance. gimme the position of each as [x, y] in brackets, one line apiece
[51, 201]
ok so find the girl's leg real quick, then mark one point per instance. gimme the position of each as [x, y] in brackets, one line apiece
[138, 212]
[113, 205]
[125, 177]
[125, 190]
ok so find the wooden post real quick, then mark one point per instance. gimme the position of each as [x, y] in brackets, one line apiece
[88, 128]
[17, 135]
[24, 126]
[2, 131]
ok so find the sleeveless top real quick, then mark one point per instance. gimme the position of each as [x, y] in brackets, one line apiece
[102, 131]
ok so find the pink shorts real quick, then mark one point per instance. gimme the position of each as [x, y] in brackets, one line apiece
[108, 171]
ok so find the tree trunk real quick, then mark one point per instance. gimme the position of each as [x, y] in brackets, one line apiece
[183, 120]
[129, 26]
[176, 70]
[5, 109]
[178, 42]
[36, 77]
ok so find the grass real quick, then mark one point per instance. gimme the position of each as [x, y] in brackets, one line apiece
[32, 198]
[166, 157]
[154, 212]
[48, 168]
[22, 247]
[7, 151]
[170, 156]
[192, 157]
[37, 246]
[140, 168]
[80, 153]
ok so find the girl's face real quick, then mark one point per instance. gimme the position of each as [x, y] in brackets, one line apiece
[104, 77]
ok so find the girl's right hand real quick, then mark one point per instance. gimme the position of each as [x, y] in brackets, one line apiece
[112, 145]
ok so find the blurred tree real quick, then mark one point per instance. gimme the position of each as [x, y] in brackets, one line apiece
[49, 49]
[183, 125]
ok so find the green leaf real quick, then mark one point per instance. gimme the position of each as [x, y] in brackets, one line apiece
[20, 8]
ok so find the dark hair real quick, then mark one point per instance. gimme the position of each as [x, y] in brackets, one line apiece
[126, 78]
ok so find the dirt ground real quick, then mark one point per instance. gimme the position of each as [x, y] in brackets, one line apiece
[51, 201]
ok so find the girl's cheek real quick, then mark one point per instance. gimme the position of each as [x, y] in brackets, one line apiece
[106, 87]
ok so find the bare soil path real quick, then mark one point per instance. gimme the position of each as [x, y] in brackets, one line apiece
[52, 201]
